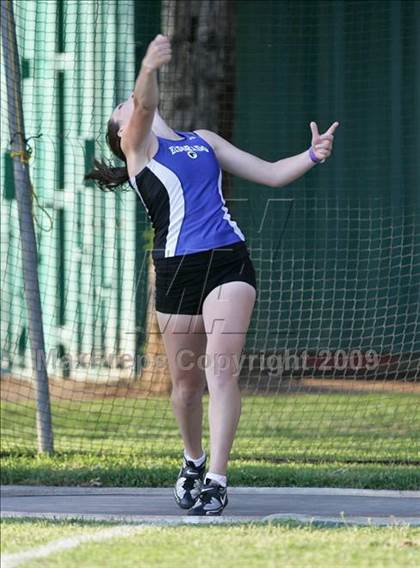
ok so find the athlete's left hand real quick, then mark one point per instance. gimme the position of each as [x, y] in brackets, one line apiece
[322, 143]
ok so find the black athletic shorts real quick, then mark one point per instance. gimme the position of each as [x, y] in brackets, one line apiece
[183, 282]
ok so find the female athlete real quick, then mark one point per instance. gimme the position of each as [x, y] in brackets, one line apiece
[205, 280]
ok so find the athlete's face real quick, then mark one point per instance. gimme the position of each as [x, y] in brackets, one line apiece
[123, 111]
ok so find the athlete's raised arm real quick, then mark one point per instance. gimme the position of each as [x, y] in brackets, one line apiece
[272, 174]
[137, 132]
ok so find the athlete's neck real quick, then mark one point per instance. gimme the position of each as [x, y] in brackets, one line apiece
[160, 128]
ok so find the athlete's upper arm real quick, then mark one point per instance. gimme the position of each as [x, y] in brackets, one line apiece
[238, 162]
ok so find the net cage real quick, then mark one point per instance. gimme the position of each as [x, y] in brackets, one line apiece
[330, 368]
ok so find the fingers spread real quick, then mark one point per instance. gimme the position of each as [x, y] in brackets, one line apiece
[332, 128]
[314, 129]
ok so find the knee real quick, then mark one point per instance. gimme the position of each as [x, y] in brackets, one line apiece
[222, 381]
[222, 370]
[187, 392]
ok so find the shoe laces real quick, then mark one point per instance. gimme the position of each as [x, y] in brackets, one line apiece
[207, 492]
[190, 478]
[189, 483]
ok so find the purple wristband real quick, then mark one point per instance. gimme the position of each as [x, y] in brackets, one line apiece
[313, 157]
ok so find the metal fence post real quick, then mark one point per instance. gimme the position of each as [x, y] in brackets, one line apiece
[26, 226]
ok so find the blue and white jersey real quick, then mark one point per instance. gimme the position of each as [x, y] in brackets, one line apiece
[181, 190]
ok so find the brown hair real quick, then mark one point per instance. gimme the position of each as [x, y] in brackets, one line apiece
[108, 177]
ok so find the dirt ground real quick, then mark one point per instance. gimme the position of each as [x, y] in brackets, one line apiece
[15, 389]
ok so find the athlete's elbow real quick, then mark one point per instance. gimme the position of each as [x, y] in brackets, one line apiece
[273, 178]
[276, 183]
[272, 182]
[144, 106]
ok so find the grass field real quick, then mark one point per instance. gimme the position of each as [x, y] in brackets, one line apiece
[333, 440]
[229, 546]
[364, 440]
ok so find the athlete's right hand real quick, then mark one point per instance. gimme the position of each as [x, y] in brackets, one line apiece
[158, 53]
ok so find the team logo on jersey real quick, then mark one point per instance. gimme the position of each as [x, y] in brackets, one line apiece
[192, 151]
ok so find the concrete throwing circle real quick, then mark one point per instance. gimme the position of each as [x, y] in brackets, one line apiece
[327, 506]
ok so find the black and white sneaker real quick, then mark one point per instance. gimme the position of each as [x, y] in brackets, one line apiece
[211, 501]
[188, 484]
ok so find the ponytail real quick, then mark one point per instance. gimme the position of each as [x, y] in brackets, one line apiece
[107, 177]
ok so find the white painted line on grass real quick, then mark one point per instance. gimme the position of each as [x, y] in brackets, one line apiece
[12, 560]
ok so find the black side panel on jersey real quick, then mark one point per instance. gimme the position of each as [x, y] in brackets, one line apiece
[156, 199]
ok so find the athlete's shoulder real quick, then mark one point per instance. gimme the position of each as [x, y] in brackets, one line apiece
[208, 136]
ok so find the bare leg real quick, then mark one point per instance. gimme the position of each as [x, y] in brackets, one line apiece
[185, 340]
[226, 312]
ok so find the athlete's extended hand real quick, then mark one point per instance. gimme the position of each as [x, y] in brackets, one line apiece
[158, 53]
[322, 143]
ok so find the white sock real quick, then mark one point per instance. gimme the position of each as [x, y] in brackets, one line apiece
[221, 479]
[198, 461]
